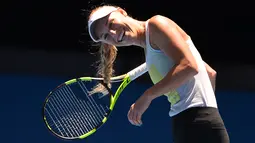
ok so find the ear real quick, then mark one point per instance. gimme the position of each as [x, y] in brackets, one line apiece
[122, 11]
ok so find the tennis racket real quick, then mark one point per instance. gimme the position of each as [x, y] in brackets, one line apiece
[70, 111]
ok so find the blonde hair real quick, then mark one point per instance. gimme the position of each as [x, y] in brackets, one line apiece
[105, 68]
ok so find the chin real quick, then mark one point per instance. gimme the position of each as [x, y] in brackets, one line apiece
[124, 44]
[121, 45]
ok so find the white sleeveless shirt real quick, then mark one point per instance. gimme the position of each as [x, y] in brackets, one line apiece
[195, 92]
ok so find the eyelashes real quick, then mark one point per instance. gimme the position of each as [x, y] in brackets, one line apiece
[110, 24]
[110, 27]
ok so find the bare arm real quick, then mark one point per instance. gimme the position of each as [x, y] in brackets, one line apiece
[169, 40]
[212, 75]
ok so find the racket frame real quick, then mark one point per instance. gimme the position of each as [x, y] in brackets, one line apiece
[125, 80]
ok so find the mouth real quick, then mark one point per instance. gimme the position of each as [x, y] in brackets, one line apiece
[121, 36]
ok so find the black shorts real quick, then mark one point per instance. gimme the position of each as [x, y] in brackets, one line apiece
[199, 125]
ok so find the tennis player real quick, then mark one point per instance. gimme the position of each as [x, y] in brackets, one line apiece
[174, 65]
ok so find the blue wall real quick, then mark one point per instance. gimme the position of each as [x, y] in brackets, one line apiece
[22, 98]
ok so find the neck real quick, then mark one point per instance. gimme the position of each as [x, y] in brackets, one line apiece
[139, 30]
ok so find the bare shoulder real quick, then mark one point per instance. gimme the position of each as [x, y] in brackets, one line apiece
[160, 22]
[164, 25]
[166, 35]
[159, 27]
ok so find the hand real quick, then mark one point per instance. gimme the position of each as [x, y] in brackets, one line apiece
[137, 109]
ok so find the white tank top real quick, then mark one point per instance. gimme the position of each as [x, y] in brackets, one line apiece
[195, 92]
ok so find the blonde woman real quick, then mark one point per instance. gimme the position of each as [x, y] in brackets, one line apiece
[174, 65]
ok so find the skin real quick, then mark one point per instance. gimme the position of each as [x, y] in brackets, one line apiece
[212, 75]
[165, 35]
[109, 28]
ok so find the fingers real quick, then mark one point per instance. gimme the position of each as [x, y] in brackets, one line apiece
[138, 119]
[134, 117]
[130, 117]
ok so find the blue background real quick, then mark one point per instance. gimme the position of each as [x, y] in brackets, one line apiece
[23, 95]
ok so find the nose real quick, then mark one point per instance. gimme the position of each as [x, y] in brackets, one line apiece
[114, 34]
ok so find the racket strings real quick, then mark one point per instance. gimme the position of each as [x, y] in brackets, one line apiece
[81, 107]
[55, 118]
[72, 113]
[66, 125]
[86, 91]
[70, 116]
[72, 126]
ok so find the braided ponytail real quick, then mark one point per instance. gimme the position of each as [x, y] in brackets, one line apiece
[105, 69]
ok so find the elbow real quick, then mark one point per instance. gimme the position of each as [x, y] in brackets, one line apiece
[212, 73]
[191, 67]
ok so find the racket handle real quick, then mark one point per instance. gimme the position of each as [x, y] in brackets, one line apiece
[138, 71]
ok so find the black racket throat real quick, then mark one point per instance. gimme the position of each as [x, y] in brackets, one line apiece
[108, 89]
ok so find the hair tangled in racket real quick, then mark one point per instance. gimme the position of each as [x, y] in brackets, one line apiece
[108, 55]
[99, 88]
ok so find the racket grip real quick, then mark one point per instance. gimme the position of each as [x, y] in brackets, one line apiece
[138, 71]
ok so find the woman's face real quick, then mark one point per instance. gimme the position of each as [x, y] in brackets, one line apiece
[114, 29]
